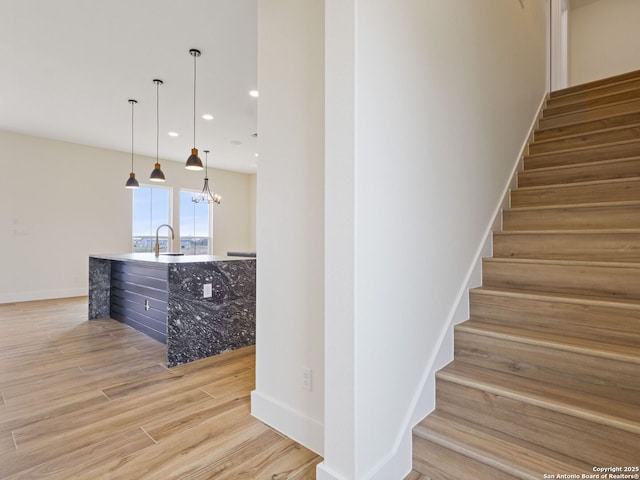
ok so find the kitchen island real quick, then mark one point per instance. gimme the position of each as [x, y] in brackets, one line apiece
[199, 305]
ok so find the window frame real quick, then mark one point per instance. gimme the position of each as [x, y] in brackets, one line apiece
[192, 193]
[164, 235]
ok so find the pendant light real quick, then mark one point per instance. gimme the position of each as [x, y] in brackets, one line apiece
[194, 162]
[156, 174]
[132, 182]
[206, 196]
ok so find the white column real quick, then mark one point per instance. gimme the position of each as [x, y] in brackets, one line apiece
[290, 219]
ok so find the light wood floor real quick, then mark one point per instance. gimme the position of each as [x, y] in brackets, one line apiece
[92, 400]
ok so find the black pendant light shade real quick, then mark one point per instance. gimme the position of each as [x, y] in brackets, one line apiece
[156, 174]
[131, 181]
[194, 162]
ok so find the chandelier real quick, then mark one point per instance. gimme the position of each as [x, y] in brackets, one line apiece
[205, 195]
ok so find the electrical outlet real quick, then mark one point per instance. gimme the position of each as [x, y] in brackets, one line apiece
[306, 378]
[207, 291]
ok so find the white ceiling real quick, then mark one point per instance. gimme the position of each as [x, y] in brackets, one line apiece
[68, 68]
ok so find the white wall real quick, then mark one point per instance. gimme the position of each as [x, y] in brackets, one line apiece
[604, 39]
[427, 106]
[441, 96]
[290, 197]
[253, 186]
[341, 373]
[559, 49]
[60, 202]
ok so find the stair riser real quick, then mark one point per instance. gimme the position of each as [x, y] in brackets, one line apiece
[593, 94]
[581, 372]
[615, 191]
[593, 103]
[580, 173]
[575, 157]
[587, 321]
[587, 127]
[588, 218]
[618, 247]
[613, 281]
[587, 441]
[596, 84]
[430, 459]
[585, 140]
[589, 115]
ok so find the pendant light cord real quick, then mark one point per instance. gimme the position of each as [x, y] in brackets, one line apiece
[157, 119]
[132, 126]
[194, 101]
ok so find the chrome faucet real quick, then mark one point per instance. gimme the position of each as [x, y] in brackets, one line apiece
[157, 248]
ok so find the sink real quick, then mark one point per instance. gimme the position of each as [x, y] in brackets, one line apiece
[172, 254]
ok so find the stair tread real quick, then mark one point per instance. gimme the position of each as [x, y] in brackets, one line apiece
[583, 106]
[556, 132]
[596, 84]
[602, 244]
[576, 118]
[580, 184]
[609, 278]
[580, 149]
[544, 261]
[611, 322]
[580, 172]
[604, 95]
[628, 83]
[623, 303]
[594, 408]
[620, 203]
[599, 231]
[593, 347]
[498, 451]
[585, 134]
[557, 168]
[572, 216]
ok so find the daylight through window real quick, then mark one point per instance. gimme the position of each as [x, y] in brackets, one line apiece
[195, 225]
[151, 208]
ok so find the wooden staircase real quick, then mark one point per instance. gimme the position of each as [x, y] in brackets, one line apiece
[546, 372]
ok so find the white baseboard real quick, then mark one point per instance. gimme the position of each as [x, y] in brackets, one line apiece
[388, 467]
[323, 473]
[43, 295]
[301, 428]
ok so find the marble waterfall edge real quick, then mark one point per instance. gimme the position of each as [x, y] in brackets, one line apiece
[200, 327]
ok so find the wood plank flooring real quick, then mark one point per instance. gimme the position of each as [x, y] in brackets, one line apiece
[92, 400]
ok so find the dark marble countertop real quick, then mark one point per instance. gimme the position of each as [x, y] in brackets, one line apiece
[166, 259]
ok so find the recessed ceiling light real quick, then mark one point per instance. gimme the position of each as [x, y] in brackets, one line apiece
[254, 93]
[207, 116]
[255, 154]
[173, 134]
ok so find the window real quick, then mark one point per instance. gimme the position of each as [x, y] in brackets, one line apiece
[151, 208]
[195, 229]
